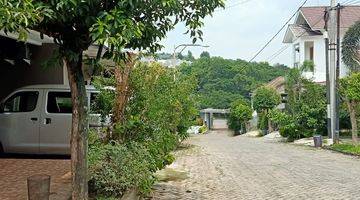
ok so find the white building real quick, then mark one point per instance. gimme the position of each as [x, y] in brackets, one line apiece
[307, 40]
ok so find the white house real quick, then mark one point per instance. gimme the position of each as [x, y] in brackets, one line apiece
[307, 39]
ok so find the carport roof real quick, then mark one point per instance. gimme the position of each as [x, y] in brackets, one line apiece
[212, 110]
[34, 37]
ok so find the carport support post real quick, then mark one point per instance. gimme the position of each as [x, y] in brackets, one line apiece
[208, 121]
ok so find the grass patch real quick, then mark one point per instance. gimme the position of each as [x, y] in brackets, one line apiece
[347, 148]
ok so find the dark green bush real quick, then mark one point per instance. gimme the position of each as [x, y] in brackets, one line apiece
[305, 113]
[114, 168]
[240, 113]
[202, 129]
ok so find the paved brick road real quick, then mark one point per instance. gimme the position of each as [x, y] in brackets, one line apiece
[14, 173]
[226, 167]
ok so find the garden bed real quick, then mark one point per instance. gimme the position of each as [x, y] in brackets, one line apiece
[349, 149]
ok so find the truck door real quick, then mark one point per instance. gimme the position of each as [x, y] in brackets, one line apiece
[55, 128]
[20, 122]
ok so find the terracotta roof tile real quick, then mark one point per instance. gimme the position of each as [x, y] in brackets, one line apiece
[314, 16]
[302, 30]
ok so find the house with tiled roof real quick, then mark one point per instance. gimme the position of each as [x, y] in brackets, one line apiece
[306, 37]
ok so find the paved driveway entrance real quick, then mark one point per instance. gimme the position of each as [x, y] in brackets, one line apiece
[224, 167]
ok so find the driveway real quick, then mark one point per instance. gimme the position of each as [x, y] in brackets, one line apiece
[219, 166]
[15, 170]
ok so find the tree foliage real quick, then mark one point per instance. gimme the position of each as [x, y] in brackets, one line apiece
[189, 56]
[351, 47]
[157, 116]
[350, 90]
[205, 54]
[240, 113]
[350, 87]
[265, 98]
[223, 81]
[305, 112]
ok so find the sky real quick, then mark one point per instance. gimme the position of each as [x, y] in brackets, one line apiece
[241, 29]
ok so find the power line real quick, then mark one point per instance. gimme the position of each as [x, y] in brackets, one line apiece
[349, 2]
[279, 52]
[267, 44]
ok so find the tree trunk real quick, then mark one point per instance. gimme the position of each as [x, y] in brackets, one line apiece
[79, 130]
[270, 129]
[122, 74]
[352, 111]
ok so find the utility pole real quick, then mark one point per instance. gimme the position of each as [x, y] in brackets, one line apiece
[338, 44]
[326, 38]
[332, 69]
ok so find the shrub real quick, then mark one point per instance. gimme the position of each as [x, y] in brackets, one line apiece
[290, 131]
[279, 118]
[199, 121]
[114, 168]
[266, 98]
[202, 129]
[240, 113]
[159, 111]
[305, 113]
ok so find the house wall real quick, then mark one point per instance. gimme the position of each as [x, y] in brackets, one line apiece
[22, 74]
[319, 74]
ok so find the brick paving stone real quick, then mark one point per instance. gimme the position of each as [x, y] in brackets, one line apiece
[228, 167]
[14, 173]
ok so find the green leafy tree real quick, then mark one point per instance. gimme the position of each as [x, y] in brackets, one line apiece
[265, 99]
[349, 85]
[305, 112]
[222, 81]
[350, 89]
[75, 25]
[189, 56]
[240, 113]
[205, 54]
[351, 47]
[159, 112]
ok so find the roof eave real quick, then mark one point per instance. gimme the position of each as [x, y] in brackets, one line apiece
[288, 39]
[33, 37]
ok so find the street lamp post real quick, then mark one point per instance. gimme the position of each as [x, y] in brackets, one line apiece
[184, 46]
